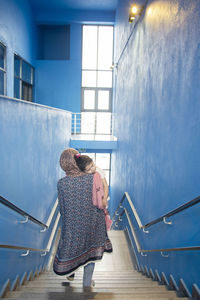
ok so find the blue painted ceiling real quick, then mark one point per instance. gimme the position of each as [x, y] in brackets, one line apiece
[106, 5]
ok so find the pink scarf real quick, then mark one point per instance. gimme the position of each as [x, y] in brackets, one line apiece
[97, 196]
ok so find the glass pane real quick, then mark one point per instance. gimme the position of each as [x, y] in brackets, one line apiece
[17, 66]
[89, 99]
[103, 125]
[88, 122]
[103, 100]
[32, 76]
[2, 56]
[103, 160]
[17, 88]
[26, 72]
[26, 91]
[89, 46]
[104, 79]
[105, 47]
[89, 78]
[1, 82]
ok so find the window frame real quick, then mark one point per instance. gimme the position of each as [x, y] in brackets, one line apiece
[4, 70]
[96, 88]
[22, 81]
[96, 109]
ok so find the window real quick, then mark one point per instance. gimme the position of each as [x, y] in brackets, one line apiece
[2, 69]
[23, 79]
[102, 160]
[97, 57]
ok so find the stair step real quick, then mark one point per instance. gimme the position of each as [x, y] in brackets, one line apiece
[42, 279]
[96, 296]
[47, 283]
[118, 290]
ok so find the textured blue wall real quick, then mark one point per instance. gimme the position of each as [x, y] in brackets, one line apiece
[58, 82]
[32, 139]
[17, 33]
[157, 125]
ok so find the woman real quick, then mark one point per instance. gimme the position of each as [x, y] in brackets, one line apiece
[83, 234]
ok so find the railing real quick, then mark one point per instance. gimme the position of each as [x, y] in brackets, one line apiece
[31, 218]
[163, 218]
[121, 210]
[100, 123]
[21, 212]
[28, 249]
[28, 216]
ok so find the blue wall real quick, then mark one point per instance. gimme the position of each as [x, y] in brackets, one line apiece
[157, 125]
[32, 139]
[17, 33]
[58, 82]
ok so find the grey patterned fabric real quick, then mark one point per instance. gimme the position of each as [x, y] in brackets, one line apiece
[83, 235]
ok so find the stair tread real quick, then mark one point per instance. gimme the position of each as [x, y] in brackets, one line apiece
[99, 297]
[103, 288]
[95, 295]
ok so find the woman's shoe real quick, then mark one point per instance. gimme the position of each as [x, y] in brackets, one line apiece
[89, 288]
[71, 277]
[92, 283]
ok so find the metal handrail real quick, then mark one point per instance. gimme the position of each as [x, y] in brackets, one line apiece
[161, 218]
[28, 249]
[21, 248]
[162, 250]
[174, 212]
[28, 216]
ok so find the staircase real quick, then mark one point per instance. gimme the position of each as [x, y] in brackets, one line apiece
[114, 278]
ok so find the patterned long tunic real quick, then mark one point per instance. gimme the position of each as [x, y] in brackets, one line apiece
[83, 233]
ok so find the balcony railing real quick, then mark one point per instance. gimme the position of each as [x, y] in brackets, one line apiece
[96, 123]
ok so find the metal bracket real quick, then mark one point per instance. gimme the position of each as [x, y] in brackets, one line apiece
[120, 219]
[43, 254]
[164, 255]
[117, 214]
[167, 222]
[116, 224]
[143, 254]
[24, 221]
[145, 231]
[44, 229]
[26, 253]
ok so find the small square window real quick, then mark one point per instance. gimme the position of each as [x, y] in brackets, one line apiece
[89, 99]
[103, 100]
[104, 79]
[89, 79]
[23, 80]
